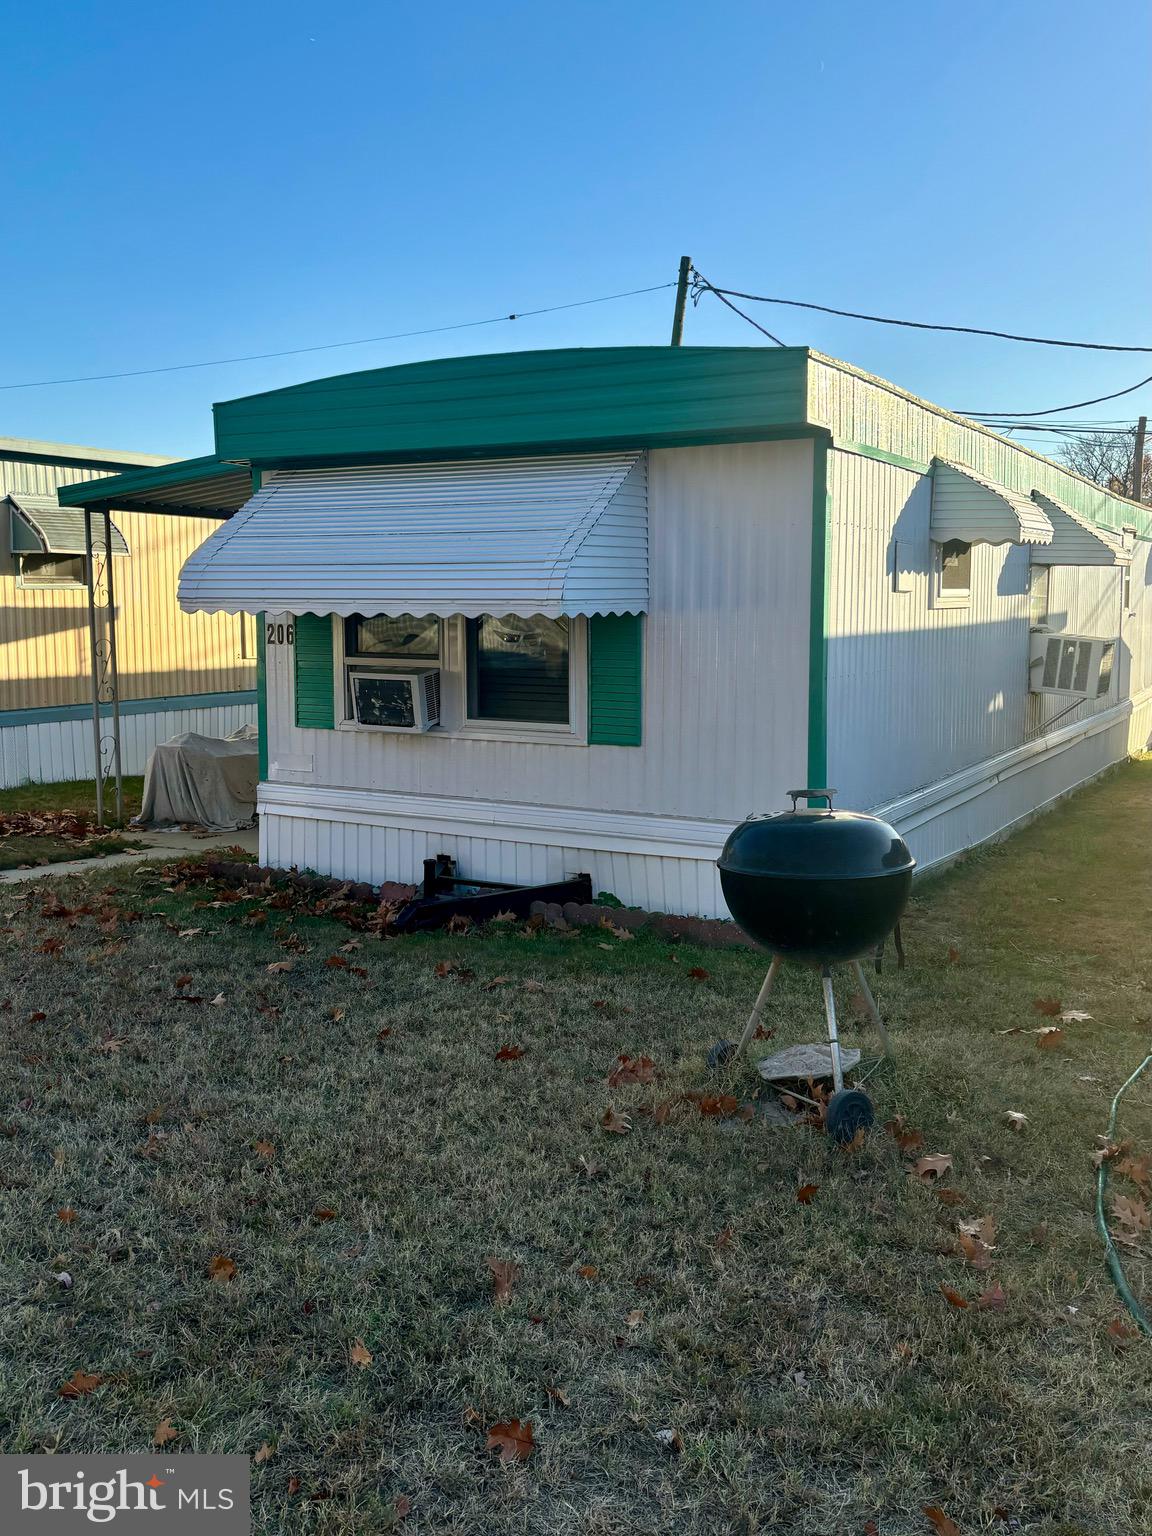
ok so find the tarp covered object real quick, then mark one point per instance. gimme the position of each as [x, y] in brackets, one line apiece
[206, 780]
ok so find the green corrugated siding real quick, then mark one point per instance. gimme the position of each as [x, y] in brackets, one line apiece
[615, 679]
[315, 680]
[523, 401]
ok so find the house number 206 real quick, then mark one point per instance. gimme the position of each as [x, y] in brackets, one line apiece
[280, 634]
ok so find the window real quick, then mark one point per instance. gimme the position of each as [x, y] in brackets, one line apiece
[953, 573]
[53, 571]
[518, 669]
[1039, 588]
[400, 638]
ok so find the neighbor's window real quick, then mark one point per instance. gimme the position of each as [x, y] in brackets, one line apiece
[53, 571]
[400, 638]
[518, 669]
[1039, 588]
[954, 571]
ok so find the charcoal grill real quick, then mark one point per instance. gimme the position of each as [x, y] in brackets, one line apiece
[820, 887]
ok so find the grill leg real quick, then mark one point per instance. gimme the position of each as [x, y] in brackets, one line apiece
[833, 1037]
[870, 1003]
[758, 1007]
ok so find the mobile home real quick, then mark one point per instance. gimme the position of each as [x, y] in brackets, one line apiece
[177, 671]
[586, 609]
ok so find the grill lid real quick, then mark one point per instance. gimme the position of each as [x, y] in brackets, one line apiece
[815, 844]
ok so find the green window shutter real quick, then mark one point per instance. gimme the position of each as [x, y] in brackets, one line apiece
[615, 679]
[315, 675]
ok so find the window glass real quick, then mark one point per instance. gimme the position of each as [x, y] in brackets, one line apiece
[53, 570]
[400, 638]
[955, 566]
[1039, 578]
[518, 669]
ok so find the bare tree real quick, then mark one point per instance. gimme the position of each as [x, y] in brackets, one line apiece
[1106, 457]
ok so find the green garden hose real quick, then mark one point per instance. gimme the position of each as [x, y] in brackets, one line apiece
[1115, 1268]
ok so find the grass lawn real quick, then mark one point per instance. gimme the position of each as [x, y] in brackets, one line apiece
[22, 846]
[697, 1350]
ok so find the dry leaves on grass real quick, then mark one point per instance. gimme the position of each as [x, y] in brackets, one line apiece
[164, 1432]
[614, 1123]
[278, 967]
[1050, 1007]
[221, 1269]
[511, 1052]
[359, 1354]
[80, 1384]
[512, 1439]
[807, 1193]
[944, 1525]
[1049, 1039]
[632, 1069]
[931, 1167]
[906, 1138]
[1133, 1215]
[1016, 1119]
[505, 1274]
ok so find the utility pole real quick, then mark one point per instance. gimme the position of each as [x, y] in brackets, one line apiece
[681, 300]
[1138, 460]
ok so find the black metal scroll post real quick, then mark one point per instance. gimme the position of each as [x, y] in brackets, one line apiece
[102, 647]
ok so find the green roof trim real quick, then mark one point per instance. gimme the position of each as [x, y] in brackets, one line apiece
[522, 402]
[203, 487]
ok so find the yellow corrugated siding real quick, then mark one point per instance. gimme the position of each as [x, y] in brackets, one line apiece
[162, 652]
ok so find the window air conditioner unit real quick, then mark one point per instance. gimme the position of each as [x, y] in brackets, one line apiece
[407, 700]
[1076, 664]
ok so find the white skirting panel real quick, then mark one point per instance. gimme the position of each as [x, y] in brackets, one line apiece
[49, 752]
[663, 863]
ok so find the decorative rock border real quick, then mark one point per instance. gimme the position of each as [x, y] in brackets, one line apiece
[710, 932]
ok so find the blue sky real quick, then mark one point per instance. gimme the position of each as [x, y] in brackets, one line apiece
[195, 181]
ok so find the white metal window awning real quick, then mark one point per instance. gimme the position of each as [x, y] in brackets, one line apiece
[969, 506]
[1076, 540]
[40, 527]
[551, 536]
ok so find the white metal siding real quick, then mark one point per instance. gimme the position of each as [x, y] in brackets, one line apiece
[552, 536]
[725, 686]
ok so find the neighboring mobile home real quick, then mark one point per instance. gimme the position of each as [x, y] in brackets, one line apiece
[177, 671]
[586, 609]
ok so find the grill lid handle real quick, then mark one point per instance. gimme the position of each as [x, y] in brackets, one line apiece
[811, 794]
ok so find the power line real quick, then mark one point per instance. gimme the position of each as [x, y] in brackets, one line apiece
[1056, 409]
[702, 285]
[917, 325]
[329, 346]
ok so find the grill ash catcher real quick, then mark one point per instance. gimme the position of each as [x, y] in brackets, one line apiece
[822, 888]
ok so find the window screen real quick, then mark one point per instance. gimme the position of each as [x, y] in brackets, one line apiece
[955, 566]
[1039, 586]
[53, 570]
[518, 669]
[400, 638]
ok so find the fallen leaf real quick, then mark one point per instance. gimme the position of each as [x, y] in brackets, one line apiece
[615, 1124]
[164, 1432]
[558, 1395]
[336, 963]
[497, 981]
[80, 1384]
[505, 1274]
[976, 1252]
[671, 1440]
[359, 1355]
[1135, 1168]
[279, 966]
[632, 1069]
[724, 1237]
[221, 1269]
[335, 1013]
[264, 1149]
[940, 1520]
[907, 1139]
[512, 1439]
[531, 986]
[1132, 1213]
[511, 1052]
[1016, 1119]
[993, 1299]
[190, 933]
[933, 1166]
[1049, 1039]
[1119, 1328]
[1049, 1006]
[66, 1213]
[953, 954]
[1075, 1016]
[953, 1298]
[698, 973]
[183, 981]
[588, 1271]
[615, 930]
[323, 1213]
[293, 1485]
[265, 1453]
[807, 1193]
[1107, 1150]
[36, 1017]
[217, 1001]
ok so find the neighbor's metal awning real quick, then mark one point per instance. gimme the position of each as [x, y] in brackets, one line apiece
[1076, 540]
[41, 527]
[969, 506]
[550, 535]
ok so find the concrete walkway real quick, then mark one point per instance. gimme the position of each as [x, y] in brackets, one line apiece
[160, 845]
